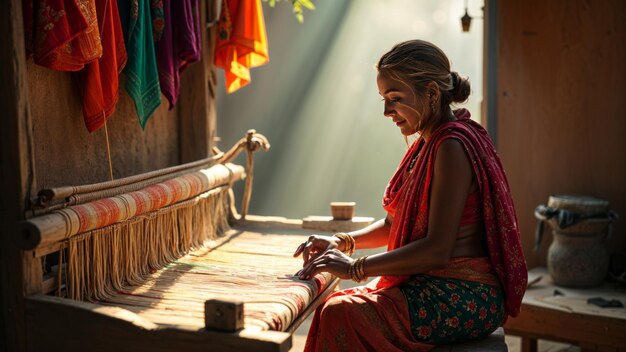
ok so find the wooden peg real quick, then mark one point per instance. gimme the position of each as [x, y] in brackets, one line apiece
[225, 315]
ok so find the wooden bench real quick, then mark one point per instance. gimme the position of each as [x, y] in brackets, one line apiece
[562, 314]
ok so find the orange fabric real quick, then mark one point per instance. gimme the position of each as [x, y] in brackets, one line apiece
[478, 269]
[363, 319]
[99, 80]
[241, 41]
[371, 318]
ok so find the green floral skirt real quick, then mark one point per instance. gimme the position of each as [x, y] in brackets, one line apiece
[445, 310]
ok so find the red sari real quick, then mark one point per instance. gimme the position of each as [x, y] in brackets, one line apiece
[376, 316]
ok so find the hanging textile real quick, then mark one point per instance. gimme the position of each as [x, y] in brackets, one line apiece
[62, 35]
[241, 41]
[99, 79]
[179, 44]
[142, 80]
[158, 19]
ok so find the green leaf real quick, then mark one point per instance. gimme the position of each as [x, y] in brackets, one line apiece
[297, 7]
[272, 3]
[307, 3]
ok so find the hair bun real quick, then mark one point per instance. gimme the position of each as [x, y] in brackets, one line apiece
[460, 88]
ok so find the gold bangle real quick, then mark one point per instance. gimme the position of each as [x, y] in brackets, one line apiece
[345, 238]
[351, 271]
[349, 242]
[361, 267]
[360, 271]
[357, 270]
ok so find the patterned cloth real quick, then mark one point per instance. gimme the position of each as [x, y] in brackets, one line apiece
[464, 303]
[179, 44]
[408, 203]
[467, 299]
[142, 80]
[158, 19]
[99, 79]
[413, 316]
[363, 319]
[241, 41]
[444, 310]
[62, 35]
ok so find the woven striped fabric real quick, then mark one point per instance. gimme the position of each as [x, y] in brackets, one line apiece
[100, 213]
[253, 267]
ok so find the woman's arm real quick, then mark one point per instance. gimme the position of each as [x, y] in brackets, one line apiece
[449, 190]
[373, 236]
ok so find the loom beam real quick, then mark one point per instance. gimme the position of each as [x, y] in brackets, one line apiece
[60, 225]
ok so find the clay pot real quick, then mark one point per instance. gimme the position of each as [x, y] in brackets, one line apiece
[578, 255]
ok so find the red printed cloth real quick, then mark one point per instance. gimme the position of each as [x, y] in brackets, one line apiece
[62, 35]
[408, 203]
[377, 316]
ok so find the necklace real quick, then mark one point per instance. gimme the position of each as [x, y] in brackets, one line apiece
[413, 161]
[416, 156]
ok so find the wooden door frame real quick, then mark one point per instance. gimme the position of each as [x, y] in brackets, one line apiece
[490, 66]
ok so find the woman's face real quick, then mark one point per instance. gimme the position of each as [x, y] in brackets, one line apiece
[406, 109]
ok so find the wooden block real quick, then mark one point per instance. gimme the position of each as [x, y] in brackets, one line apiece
[328, 224]
[222, 314]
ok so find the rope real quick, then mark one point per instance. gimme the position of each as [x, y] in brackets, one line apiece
[106, 135]
[251, 143]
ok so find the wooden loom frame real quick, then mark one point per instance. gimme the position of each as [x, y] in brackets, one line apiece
[79, 324]
[34, 321]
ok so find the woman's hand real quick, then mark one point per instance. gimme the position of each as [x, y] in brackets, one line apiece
[332, 261]
[316, 246]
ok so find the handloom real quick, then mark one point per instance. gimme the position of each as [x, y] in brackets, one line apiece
[176, 256]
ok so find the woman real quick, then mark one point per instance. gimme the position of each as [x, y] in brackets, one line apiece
[454, 268]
